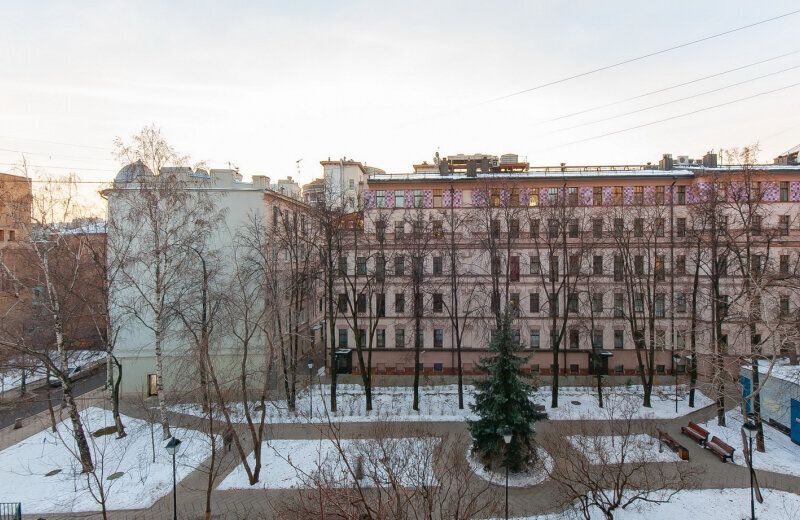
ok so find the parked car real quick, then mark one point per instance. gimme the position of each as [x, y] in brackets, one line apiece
[54, 382]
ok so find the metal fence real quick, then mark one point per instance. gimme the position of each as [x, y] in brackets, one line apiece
[10, 511]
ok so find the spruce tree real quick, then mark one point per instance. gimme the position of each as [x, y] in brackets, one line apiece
[502, 399]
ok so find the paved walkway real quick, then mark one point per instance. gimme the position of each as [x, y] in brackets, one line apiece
[257, 504]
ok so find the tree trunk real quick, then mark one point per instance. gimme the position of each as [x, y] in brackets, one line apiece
[77, 429]
[50, 400]
[115, 401]
[162, 407]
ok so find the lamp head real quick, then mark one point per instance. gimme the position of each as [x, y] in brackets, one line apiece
[507, 434]
[310, 364]
[172, 445]
[750, 429]
[677, 358]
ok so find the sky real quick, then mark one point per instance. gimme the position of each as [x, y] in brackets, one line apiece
[262, 85]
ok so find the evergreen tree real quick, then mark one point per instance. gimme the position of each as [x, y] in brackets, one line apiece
[502, 399]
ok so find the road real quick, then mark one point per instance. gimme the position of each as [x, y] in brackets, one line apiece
[25, 408]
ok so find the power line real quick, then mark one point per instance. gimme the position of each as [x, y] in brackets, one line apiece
[78, 168]
[638, 58]
[679, 115]
[57, 142]
[673, 101]
[46, 154]
[667, 88]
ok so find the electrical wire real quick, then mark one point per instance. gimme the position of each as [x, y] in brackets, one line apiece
[57, 142]
[679, 115]
[665, 89]
[638, 58]
[46, 154]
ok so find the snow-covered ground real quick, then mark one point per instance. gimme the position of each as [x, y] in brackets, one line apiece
[781, 456]
[608, 449]
[11, 378]
[299, 463]
[530, 477]
[24, 466]
[706, 504]
[440, 403]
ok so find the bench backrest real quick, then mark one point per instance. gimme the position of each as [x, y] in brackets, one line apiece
[719, 442]
[698, 429]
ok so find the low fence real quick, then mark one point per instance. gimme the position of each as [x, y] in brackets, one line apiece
[10, 511]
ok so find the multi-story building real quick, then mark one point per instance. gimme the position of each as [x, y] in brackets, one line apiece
[633, 267]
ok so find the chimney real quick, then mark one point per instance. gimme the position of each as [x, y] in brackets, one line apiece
[710, 160]
[472, 168]
[665, 164]
[444, 167]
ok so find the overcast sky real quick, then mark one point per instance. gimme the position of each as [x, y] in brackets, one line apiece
[263, 84]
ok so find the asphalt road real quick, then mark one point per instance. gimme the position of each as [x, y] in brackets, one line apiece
[11, 410]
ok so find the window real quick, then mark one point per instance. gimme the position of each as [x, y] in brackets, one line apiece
[438, 302]
[618, 195]
[597, 339]
[496, 265]
[514, 267]
[534, 228]
[660, 369]
[755, 191]
[495, 226]
[619, 369]
[380, 338]
[352, 184]
[722, 306]
[534, 339]
[659, 305]
[417, 228]
[380, 230]
[535, 265]
[361, 303]
[495, 301]
[554, 340]
[437, 198]
[437, 265]
[638, 227]
[638, 265]
[533, 200]
[572, 194]
[342, 338]
[681, 227]
[552, 228]
[681, 194]
[513, 228]
[438, 367]
[618, 268]
[680, 302]
[573, 228]
[784, 302]
[574, 338]
[574, 264]
[755, 225]
[495, 198]
[597, 265]
[597, 196]
[399, 199]
[399, 230]
[513, 303]
[597, 228]
[534, 302]
[638, 192]
[553, 305]
[723, 226]
[438, 338]
[680, 265]
[552, 196]
[342, 303]
[421, 337]
[380, 304]
[572, 302]
[661, 339]
[784, 225]
[659, 225]
[436, 229]
[361, 265]
[681, 339]
[417, 198]
[399, 338]
[380, 268]
[553, 268]
[784, 193]
[618, 226]
[784, 264]
[343, 265]
[419, 302]
[619, 339]
[638, 302]
[659, 268]
[597, 302]
[659, 194]
[722, 192]
[380, 195]
[399, 303]
[152, 384]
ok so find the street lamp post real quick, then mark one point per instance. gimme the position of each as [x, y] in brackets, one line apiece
[677, 359]
[507, 439]
[750, 430]
[310, 394]
[172, 449]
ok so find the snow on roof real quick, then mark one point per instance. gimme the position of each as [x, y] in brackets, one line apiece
[533, 174]
[782, 370]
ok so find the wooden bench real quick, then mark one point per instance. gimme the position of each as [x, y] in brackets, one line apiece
[718, 446]
[699, 433]
[672, 444]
